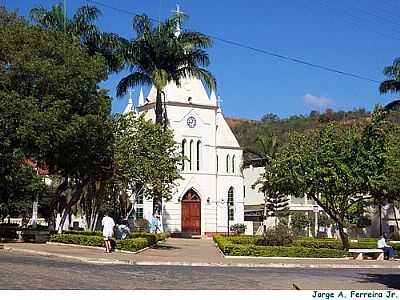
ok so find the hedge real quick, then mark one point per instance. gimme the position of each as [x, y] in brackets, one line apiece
[152, 238]
[229, 248]
[311, 242]
[131, 244]
[90, 233]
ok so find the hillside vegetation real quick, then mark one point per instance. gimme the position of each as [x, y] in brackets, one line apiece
[250, 133]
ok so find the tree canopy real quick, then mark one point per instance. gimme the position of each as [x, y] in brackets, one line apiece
[164, 53]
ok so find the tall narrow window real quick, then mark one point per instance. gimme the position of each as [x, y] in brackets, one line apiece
[217, 163]
[198, 150]
[231, 202]
[233, 164]
[183, 153]
[227, 163]
[190, 154]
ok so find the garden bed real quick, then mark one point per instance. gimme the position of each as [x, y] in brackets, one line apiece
[135, 241]
[247, 246]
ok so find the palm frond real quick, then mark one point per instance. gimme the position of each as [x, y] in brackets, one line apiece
[196, 39]
[130, 81]
[389, 86]
[204, 75]
[141, 24]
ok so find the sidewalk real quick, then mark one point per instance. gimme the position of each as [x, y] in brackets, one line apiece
[188, 252]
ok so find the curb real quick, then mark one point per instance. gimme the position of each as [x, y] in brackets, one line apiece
[202, 264]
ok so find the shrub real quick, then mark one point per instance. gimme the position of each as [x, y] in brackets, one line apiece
[78, 232]
[279, 235]
[238, 228]
[229, 248]
[244, 239]
[84, 240]
[151, 238]
[132, 244]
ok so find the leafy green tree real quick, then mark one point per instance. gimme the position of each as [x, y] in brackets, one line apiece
[82, 27]
[299, 222]
[161, 54]
[330, 166]
[57, 82]
[392, 84]
[146, 158]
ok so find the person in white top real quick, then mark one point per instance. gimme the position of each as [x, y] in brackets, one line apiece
[385, 247]
[108, 231]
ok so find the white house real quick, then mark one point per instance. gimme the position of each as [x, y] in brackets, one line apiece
[212, 176]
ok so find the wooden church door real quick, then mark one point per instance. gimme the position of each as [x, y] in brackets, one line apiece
[191, 213]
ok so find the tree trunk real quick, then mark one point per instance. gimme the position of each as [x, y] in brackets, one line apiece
[395, 217]
[62, 221]
[159, 108]
[343, 236]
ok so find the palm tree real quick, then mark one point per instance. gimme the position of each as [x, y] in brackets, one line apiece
[392, 84]
[161, 54]
[82, 27]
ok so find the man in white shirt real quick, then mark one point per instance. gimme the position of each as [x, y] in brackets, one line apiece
[108, 231]
[385, 247]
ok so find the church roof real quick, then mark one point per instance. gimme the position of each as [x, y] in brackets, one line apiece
[191, 90]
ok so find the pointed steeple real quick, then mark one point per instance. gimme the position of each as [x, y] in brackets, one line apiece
[130, 107]
[219, 101]
[213, 98]
[141, 97]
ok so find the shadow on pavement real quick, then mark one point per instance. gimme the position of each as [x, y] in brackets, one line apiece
[389, 280]
[165, 247]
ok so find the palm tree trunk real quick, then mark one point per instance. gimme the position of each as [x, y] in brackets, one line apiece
[159, 108]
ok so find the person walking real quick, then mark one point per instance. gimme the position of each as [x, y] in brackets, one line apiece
[388, 250]
[108, 231]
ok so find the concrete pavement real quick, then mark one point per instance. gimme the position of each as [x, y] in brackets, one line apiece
[189, 252]
[26, 271]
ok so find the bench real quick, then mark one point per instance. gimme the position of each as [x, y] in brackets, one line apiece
[359, 253]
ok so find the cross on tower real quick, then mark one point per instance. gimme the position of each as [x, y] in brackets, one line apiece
[178, 12]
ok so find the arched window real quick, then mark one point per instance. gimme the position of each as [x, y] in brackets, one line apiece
[231, 204]
[227, 163]
[198, 150]
[190, 154]
[183, 153]
[233, 164]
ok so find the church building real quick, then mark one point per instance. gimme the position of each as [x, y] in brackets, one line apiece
[209, 198]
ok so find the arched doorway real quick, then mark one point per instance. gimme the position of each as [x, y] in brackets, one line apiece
[191, 213]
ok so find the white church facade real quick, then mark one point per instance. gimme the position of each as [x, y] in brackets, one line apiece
[209, 197]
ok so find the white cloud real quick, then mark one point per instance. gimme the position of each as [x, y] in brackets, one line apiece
[318, 101]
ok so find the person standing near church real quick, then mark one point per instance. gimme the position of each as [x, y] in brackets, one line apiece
[108, 231]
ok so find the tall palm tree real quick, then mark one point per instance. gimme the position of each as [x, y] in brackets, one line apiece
[392, 84]
[161, 54]
[82, 27]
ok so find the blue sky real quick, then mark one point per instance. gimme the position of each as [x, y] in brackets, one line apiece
[354, 36]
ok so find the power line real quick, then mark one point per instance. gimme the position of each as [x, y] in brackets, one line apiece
[259, 50]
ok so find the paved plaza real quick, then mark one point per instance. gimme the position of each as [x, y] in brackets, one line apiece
[27, 271]
[181, 264]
